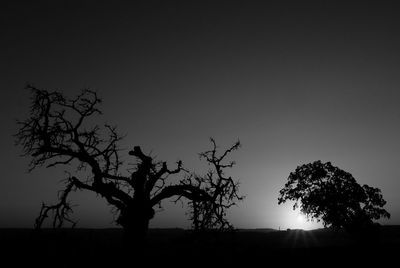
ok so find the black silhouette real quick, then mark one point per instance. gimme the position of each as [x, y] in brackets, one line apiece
[206, 215]
[327, 193]
[58, 133]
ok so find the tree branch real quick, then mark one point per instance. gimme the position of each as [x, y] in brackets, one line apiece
[189, 191]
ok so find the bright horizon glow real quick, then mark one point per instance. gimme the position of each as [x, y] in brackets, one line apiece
[294, 219]
[301, 219]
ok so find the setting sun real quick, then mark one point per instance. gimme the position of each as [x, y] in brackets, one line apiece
[301, 219]
[294, 219]
[302, 222]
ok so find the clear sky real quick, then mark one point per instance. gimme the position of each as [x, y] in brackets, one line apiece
[295, 81]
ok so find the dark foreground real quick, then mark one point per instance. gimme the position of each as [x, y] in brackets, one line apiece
[180, 248]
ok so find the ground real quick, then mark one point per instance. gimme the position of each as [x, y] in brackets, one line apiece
[244, 248]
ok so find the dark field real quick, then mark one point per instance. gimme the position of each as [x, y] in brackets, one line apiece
[245, 248]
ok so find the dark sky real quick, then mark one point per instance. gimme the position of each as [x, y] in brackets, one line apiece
[295, 81]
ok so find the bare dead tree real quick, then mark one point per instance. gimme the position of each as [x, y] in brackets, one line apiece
[58, 133]
[210, 214]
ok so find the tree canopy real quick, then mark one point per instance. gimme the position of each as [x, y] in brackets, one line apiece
[328, 194]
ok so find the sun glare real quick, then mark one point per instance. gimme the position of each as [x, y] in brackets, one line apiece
[301, 219]
[302, 222]
[294, 219]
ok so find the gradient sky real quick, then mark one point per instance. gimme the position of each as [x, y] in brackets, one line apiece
[295, 82]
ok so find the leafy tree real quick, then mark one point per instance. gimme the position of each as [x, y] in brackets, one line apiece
[59, 132]
[331, 195]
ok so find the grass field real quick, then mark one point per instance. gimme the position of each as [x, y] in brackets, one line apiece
[244, 248]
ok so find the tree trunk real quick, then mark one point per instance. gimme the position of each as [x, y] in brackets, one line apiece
[135, 223]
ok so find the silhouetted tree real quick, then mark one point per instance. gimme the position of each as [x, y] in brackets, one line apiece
[205, 215]
[331, 195]
[57, 133]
